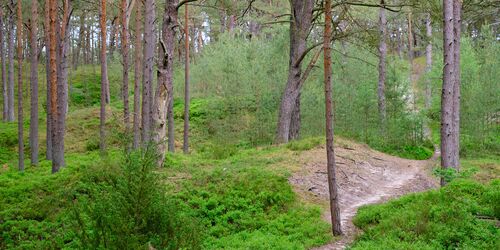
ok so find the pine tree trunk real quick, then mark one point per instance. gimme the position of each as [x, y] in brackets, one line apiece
[381, 66]
[137, 74]
[457, 22]
[5, 104]
[48, 154]
[332, 182]
[53, 32]
[20, 121]
[147, 93]
[104, 79]
[300, 26]
[447, 92]
[186, 83]
[112, 37]
[81, 42]
[62, 82]
[164, 94]
[10, 85]
[34, 83]
[125, 51]
[428, 61]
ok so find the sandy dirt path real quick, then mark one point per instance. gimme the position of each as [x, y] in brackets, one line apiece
[365, 176]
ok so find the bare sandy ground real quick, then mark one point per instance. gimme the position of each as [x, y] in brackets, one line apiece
[365, 176]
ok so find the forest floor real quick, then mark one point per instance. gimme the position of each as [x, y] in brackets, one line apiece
[365, 176]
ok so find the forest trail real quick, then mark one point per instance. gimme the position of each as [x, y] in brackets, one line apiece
[364, 176]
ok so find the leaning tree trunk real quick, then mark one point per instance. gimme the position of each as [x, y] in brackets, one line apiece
[34, 83]
[4, 69]
[164, 92]
[104, 79]
[447, 147]
[332, 182]
[10, 84]
[457, 22]
[300, 26]
[381, 65]
[137, 74]
[147, 76]
[20, 122]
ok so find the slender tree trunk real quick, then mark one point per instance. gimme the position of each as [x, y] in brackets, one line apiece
[147, 93]
[34, 83]
[428, 61]
[137, 74]
[112, 37]
[56, 161]
[104, 78]
[381, 65]
[300, 26]
[5, 105]
[186, 82]
[20, 121]
[457, 22]
[48, 73]
[81, 42]
[62, 80]
[164, 93]
[447, 92]
[410, 39]
[125, 50]
[332, 182]
[10, 85]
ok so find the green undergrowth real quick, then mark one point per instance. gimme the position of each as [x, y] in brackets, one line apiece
[462, 215]
[121, 202]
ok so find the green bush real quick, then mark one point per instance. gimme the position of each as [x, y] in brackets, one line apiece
[124, 207]
[243, 208]
[448, 218]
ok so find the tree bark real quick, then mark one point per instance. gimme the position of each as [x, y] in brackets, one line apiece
[186, 82]
[447, 91]
[34, 83]
[5, 104]
[164, 94]
[10, 85]
[428, 61]
[381, 65]
[147, 93]
[20, 122]
[410, 39]
[48, 154]
[300, 26]
[332, 182]
[137, 74]
[125, 51]
[104, 79]
[457, 22]
[81, 42]
[112, 37]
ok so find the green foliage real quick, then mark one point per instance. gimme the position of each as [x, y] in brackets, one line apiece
[125, 207]
[245, 207]
[243, 81]
[479, 109]
[449, 218]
